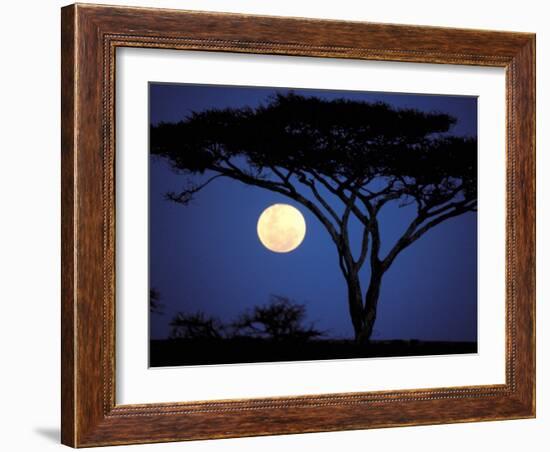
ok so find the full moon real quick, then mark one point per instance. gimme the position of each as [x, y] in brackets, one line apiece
[281, 228]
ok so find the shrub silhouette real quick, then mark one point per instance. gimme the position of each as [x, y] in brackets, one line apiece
[196, 326]
[155, 306]
[280, 319]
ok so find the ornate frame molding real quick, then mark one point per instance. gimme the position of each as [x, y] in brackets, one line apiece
[90, 36]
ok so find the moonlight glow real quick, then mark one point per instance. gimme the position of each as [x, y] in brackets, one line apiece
[281, 228]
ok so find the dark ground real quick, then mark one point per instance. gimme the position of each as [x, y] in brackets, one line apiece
[181, 352]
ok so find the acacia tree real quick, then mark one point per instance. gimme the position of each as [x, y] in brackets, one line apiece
[337, 158]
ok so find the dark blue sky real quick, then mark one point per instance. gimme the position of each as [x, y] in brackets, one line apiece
[206, 256]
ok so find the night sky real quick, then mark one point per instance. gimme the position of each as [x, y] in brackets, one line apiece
[206, 256]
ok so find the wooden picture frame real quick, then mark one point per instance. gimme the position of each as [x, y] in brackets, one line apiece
[90, 36]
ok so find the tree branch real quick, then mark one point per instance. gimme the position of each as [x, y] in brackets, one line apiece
[415, 230]
[311, 184]
[339, 192]
[457, 211]
[284, 189]
[447, 207]
[375, 234]
[348, 257]
[364, 248]
[184, 196]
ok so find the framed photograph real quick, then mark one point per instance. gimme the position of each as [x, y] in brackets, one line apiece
[281, 225]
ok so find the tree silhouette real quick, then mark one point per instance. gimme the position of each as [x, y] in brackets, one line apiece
[196, 326]
[155, 306]
[337, 158]
[281, 319]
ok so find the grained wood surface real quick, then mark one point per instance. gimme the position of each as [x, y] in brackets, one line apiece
[90, 35]
[67, 224]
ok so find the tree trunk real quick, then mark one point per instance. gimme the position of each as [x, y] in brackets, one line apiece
[363, 315]
[355, 303]
[370, 307]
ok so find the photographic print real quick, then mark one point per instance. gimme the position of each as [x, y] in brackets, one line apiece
[292, 224]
